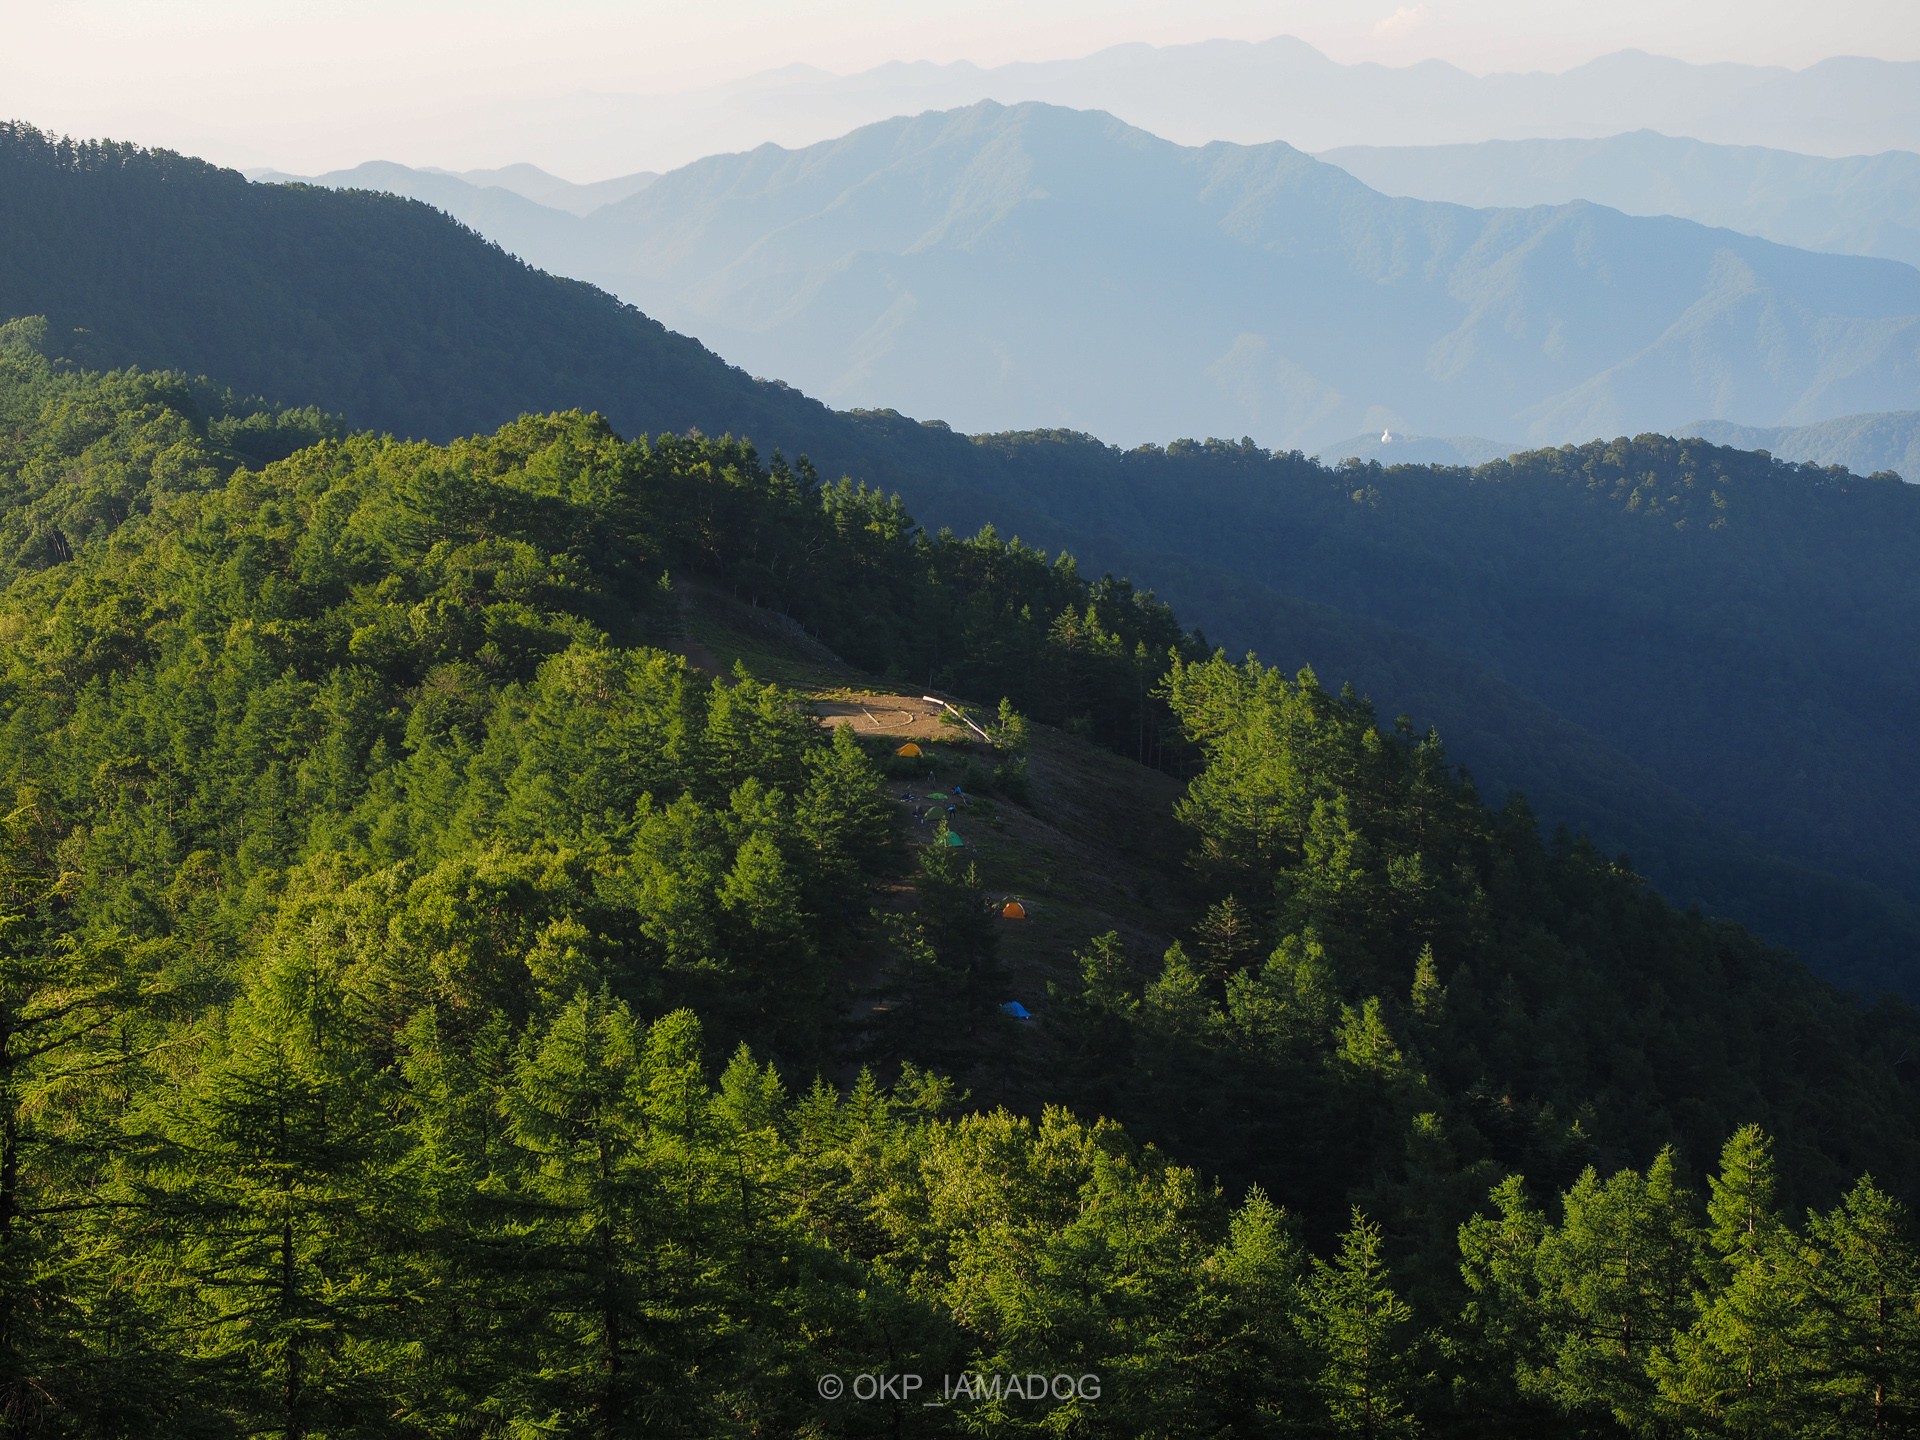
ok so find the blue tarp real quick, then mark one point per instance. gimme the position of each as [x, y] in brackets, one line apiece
[1017, 1010]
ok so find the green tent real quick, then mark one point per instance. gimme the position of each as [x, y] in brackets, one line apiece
[952, 839]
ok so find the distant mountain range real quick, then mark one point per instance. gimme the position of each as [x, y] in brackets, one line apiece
[535, 184]
[455, 190]
[1861, 205]
[1864, 444]
[1285, 89]
[1034, 266]
[1249, 92]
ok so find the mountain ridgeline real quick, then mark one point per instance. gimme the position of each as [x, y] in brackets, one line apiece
[1677, 648]
[1248, 92]
[1864, 443]
[1859, 205]
[350, 302]
[429, 1004]
[1036, 266]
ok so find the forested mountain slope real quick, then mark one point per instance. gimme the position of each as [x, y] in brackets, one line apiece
[1426, 590]
[519, 224]
[1669, 567]
[381, 901]
[1862, 443]
[354, 302]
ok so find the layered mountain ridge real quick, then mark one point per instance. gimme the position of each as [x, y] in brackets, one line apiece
[1854, 205]
[1280, 88]
[1037, 267]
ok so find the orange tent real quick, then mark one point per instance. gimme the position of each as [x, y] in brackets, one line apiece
[1013, 910]
[910, 750]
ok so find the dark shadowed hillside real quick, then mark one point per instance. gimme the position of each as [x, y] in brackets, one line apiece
[363, 304]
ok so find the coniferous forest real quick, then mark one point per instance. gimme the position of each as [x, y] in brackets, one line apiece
[432, 1004]
[1674, 647]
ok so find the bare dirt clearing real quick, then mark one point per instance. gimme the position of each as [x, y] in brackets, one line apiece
[1085, 851]
[876, 713]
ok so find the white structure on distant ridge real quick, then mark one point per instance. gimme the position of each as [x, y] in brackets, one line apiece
[1386, 437]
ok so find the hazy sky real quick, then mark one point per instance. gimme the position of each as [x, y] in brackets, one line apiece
[310, 84]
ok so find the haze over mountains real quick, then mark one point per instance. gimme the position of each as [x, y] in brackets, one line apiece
[453, 190]
[1868, 442]
[1859, 205]
[1012, 267]
[1283, 88]
[1250, 92]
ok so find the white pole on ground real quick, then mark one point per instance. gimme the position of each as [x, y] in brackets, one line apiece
[936, 700]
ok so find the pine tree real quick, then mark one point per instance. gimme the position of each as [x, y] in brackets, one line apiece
[1505, 1338]
[756, 729]
[611, 1244]
[1741, 1366]
[1227, 936]
[748, 1113]
[1263, 1371]
[285, 1224]
[1095, 1024]
[1334, 890]
[1176, 1080]
[1366, 1046]
[66, 1038]
[846, 820]
[763, 927]
[1865, 1284]
[1287, 1011]
[1358, 1329]
[1615, 1282]
[468, 1333]
[1175, 1005]
[1429, 995]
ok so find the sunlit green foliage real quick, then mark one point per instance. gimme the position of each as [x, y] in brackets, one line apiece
[424, 1001]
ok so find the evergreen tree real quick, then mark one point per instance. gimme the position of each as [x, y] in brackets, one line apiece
[1093, 1023]
[1264, 1371]
[1227, 936]
[285, 1223]
[1357, 1329]
[1742, 1365]
[1865, 1284]
[1429, 995]
[1503, 1339]
[609, 1249]
[846, 821]
[1615, 1282]
[68, 1049]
